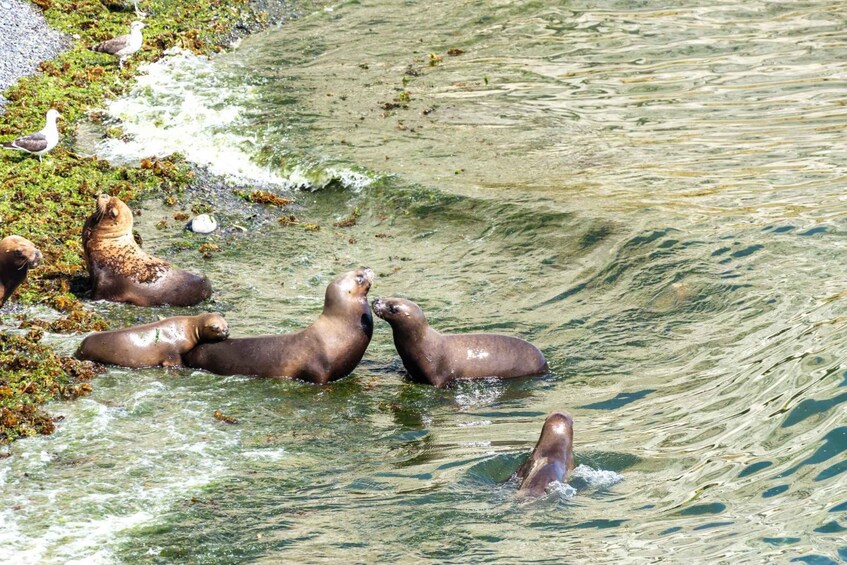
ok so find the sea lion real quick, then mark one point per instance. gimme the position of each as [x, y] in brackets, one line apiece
[439, 359]
[161, 343]
[327, 350]
[121, 272]
[17, 256]
[552, 458]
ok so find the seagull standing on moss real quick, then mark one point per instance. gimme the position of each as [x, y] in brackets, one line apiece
[124, 45]
[41, 142]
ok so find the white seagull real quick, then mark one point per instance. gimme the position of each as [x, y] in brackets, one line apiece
[41, 142]
[125, 45]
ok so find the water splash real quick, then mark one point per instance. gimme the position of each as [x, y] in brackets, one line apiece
[185, 104]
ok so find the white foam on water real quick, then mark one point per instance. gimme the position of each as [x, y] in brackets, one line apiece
[481, 443]
[596, 478]
[265, 454]
[181, 104]
[70, 522]
[474, 424]
[563, 491]
[472, 394]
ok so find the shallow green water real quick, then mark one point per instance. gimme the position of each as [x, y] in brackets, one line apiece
[652, 194]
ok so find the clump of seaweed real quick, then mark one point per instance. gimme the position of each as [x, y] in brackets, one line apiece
[349, 221]
[32, 374]
[208, 249]
[265, 197]
[218, 415]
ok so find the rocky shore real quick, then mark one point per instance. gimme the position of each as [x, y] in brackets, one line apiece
[48, 203]
[25, 41]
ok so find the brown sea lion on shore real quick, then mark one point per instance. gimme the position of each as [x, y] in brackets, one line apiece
[161, 343]
[17, 256]
[327, 350]
[440, 359]
[121, 271]
[552, 458]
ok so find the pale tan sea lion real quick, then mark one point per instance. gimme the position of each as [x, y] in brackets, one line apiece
[121, 271]
[161, 343]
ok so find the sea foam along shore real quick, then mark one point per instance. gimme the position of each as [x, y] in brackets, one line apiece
[48, 204]
[25, 41]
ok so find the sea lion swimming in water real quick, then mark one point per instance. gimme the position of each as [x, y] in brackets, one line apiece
[552, 458]
[327, 350]
[440, 359]
[17, 256]
[161, 343]
[121, 271]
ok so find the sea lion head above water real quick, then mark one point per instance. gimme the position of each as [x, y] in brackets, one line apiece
[349, 291]
[552, 458]
[400, 313]
[17, 256]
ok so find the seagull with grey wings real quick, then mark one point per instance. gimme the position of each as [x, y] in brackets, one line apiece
[40, 142]
[123, 46]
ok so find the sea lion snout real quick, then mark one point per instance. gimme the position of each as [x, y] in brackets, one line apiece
[215, 327]
[385, 308]
[35, 257]
[26, 254]
[367, 277]
[101, 202]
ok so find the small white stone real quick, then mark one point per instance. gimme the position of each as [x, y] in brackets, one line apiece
[204, 223]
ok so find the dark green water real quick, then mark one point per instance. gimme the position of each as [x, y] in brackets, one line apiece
[653, 194]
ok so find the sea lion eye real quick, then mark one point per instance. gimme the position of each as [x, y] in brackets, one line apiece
[392, 308]
[360, 279]
[19, 252]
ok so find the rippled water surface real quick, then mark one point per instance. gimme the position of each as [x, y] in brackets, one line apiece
[653, 194]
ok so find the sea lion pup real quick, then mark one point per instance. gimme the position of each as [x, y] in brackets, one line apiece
[327, 350]
[17, 256]
[121, 271]
[440, 359]
[552, 458]
[160, 344]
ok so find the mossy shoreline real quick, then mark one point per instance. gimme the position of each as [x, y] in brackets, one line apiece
[48, 203]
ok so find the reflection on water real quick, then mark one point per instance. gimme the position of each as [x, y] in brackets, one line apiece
[652, 194]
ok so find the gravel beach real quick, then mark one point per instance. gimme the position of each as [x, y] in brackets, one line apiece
[25, 40]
